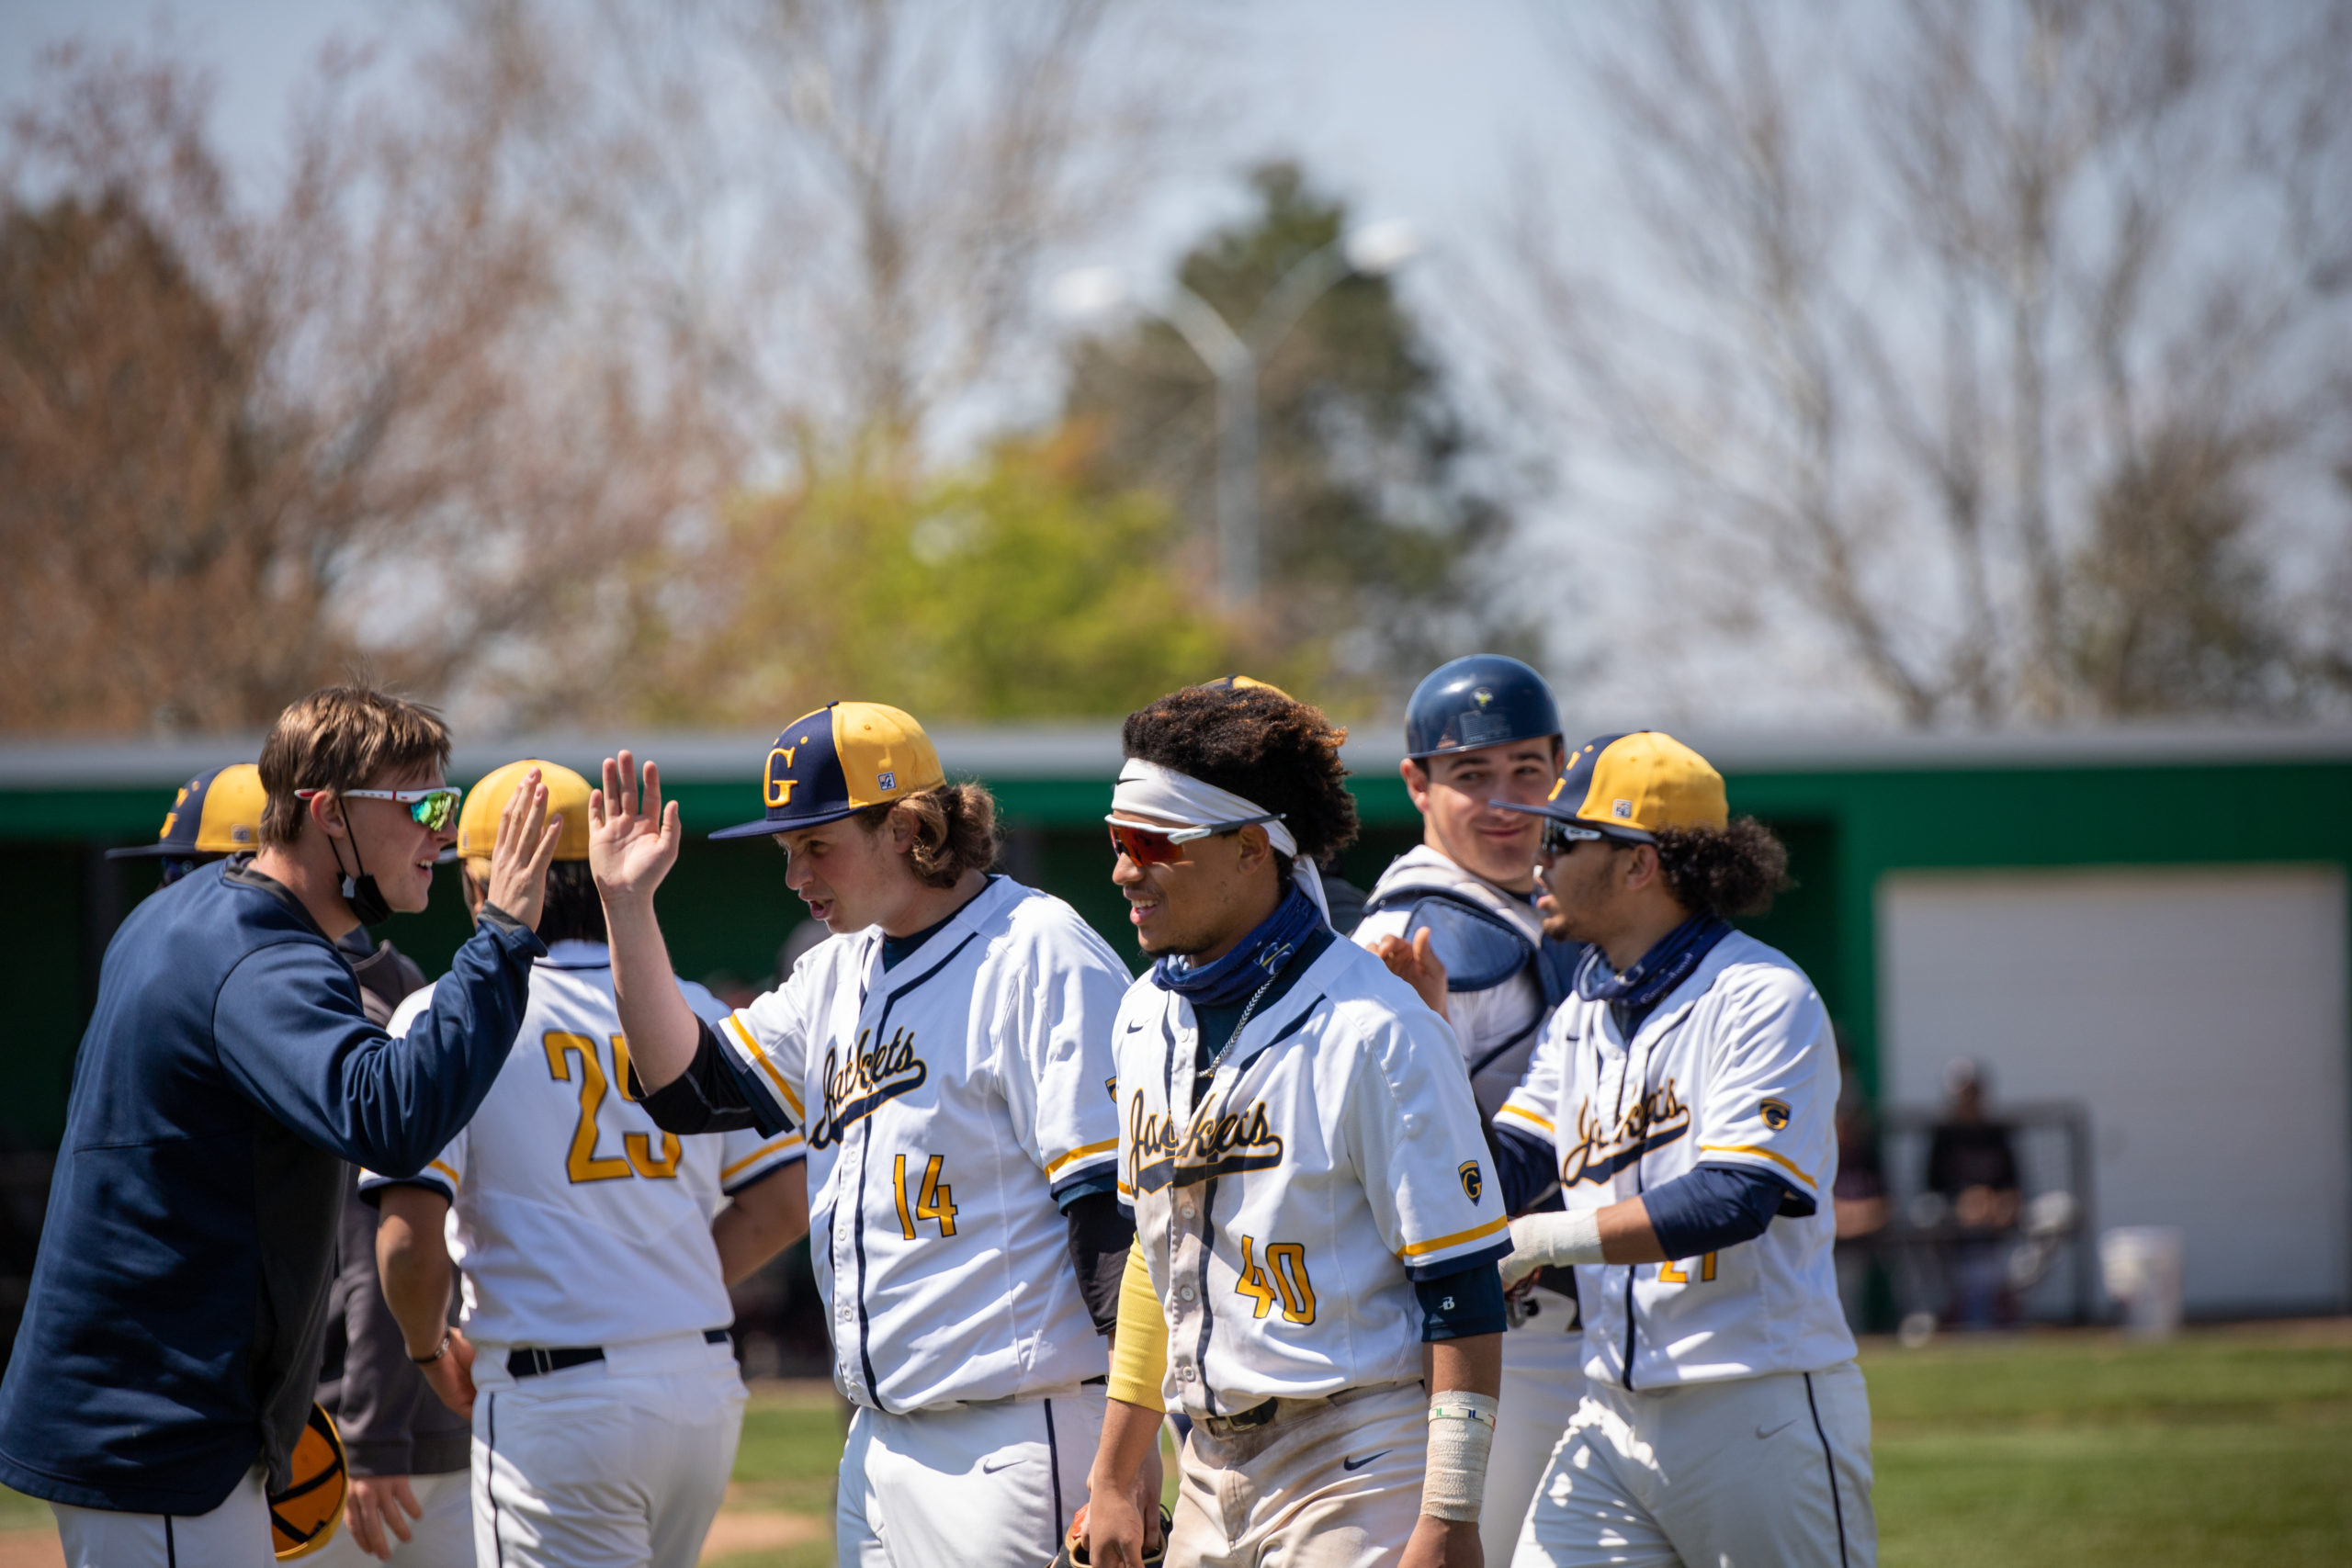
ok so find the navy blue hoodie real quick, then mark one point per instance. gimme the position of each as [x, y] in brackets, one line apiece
[173, 1332]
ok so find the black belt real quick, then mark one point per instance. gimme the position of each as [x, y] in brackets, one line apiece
[1256, 1416]
[531, 1361]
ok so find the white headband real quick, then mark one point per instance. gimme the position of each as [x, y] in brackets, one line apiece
[1153, 791]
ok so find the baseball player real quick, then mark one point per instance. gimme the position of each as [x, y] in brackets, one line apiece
[1313, 1281]
[1476, 731]
[596, 1250]
[1684, 1099]
[215, 815]
[170, 1347]
[949, 1055]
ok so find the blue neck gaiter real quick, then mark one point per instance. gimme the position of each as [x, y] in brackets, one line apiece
[1658, 972]
[1254, 959]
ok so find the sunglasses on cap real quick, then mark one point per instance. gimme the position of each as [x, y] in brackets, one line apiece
[433, 810]
[1165, 846]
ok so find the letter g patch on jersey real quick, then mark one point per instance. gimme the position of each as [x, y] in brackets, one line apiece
[1473, 1184]
[1775, 1114]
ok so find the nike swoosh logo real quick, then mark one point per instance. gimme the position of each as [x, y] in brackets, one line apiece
[1764, 1431]
[1360, 1463]
[990, 1466]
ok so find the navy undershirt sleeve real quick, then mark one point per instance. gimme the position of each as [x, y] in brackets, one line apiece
[1710, 1207]
[1523, 1166]
[709, 1096]
[1459, 1306]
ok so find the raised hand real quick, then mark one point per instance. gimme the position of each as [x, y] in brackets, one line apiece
[526, 844]
[633, 838]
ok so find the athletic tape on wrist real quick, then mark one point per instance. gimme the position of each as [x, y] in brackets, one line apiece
[1553, 1240]
[1461, 1429]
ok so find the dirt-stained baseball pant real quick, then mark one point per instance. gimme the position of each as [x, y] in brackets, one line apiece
[618, 1462]
[234, 1535]
[1754, 1472]
[1334, 1484]
[990, 1486]
[442, 1538]
[1543, 1387]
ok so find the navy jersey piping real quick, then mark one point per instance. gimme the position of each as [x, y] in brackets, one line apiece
[1649, 1052]
[1837, 1507]
[866, 1147]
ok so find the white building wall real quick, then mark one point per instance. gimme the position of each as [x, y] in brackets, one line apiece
[2199, 1013]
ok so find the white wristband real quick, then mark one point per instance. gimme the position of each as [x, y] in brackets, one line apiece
[1546, 1241]
[1462, 1428]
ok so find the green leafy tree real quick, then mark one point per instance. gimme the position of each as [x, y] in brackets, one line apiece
[1016, 589]
[1382, 548]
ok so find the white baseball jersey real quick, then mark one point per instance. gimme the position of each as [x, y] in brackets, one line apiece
[575, 1219]
[1334, 1156]
[946, 1100]
[1735, 1066]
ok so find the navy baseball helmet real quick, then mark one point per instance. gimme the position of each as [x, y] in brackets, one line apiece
[1483, 699]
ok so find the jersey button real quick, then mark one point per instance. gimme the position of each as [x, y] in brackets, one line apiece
[1183, 1374]
[1185, 1292]
[1189, 1211]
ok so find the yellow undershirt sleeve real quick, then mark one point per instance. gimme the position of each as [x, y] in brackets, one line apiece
[1139, 1352]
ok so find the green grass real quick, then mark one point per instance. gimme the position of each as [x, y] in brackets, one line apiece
[792, 1443]
[2053, 1451]
[2222, 1448]
[19, 1512]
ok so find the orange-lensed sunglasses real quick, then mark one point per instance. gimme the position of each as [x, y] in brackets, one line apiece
[1165, 846]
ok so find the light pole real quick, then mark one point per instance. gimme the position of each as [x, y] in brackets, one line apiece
[1235, 358]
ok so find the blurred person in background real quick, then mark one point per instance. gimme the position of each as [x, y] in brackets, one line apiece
[170, 1347]
[1859, 1195]
[1972, 1167]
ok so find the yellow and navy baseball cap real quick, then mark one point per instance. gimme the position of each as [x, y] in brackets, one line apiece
[839, 760]
[218, 813]
[1634, 786]
[486, 803]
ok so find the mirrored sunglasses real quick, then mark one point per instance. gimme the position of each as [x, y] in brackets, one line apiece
[433, 810]
[1165, 846]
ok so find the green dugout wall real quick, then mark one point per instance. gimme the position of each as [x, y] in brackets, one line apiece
[2149, 924]
[1851, 812]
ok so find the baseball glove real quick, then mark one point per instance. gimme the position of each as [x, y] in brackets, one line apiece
[1073, 1554]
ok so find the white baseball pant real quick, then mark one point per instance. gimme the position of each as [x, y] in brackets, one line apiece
[442, 1538]
[989, 1485]
[620, 1463]
[1336, 1483]
[1543, 1387]
[234, 1535]
[1754, 1472]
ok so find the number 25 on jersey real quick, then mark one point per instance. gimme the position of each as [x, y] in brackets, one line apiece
[583, 1163]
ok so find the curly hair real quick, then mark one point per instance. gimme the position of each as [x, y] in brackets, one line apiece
[955, 830]
[1259, 744]
[1731, 870]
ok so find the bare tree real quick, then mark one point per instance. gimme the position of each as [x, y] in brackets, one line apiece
[1982, 336]
[467, 392]
[251, 441]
